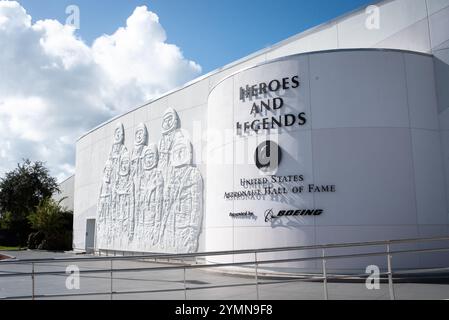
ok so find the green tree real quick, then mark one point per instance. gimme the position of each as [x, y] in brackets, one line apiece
[53, 225]
[21, 191]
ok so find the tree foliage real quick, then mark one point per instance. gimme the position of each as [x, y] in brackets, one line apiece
[21, 191]
[53, 225]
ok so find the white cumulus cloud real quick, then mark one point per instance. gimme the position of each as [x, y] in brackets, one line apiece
[54, 87]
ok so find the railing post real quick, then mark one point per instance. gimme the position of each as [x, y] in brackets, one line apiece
[32, 282]
[111, 285]
[390, 274]
[326, 293]
[185, 285]
[256, 274]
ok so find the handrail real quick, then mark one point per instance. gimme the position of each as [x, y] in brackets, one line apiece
[230, 264]
[256, 262]
[223, 253]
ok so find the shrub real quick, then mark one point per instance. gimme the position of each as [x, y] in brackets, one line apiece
[35, 239]
[53, 225]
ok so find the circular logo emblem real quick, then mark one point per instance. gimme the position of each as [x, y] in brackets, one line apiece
[268, 156]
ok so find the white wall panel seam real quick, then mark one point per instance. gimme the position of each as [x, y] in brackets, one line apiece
[433, 15]
[428, 26]
[445, 172]
[311, 142]
[411, 138]
[338, 35]
[233, 167]
[429, 49]
[344, 225]
[440, 49]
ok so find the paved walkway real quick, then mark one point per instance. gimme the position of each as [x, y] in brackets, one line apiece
[169, 284]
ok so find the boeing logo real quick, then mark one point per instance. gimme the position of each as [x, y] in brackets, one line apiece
[270, 215]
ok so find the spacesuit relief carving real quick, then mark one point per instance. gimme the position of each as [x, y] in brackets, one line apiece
[151, 199]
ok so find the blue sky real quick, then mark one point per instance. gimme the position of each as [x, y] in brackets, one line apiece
[210, 32]
[63, 83]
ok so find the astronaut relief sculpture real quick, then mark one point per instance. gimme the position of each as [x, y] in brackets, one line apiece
[151, 198]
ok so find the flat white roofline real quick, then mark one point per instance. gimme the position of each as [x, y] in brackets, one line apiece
[68, 178]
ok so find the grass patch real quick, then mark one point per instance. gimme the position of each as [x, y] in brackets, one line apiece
[2, 248]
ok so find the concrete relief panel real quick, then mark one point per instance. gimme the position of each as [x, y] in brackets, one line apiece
[151, 196]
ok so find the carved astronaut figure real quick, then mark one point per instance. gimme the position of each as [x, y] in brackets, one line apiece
[140, 141]
[170, 132]
[182, 201]
[104, 209]
[124, 200]
[107, 202]
[118, 149]
[150, 199]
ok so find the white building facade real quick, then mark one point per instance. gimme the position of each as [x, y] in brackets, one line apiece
[339, 134]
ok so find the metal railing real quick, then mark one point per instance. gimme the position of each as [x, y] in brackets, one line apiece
[161, 260]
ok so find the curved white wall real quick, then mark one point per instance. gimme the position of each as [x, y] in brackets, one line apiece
[372, 131]
[418, 25]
